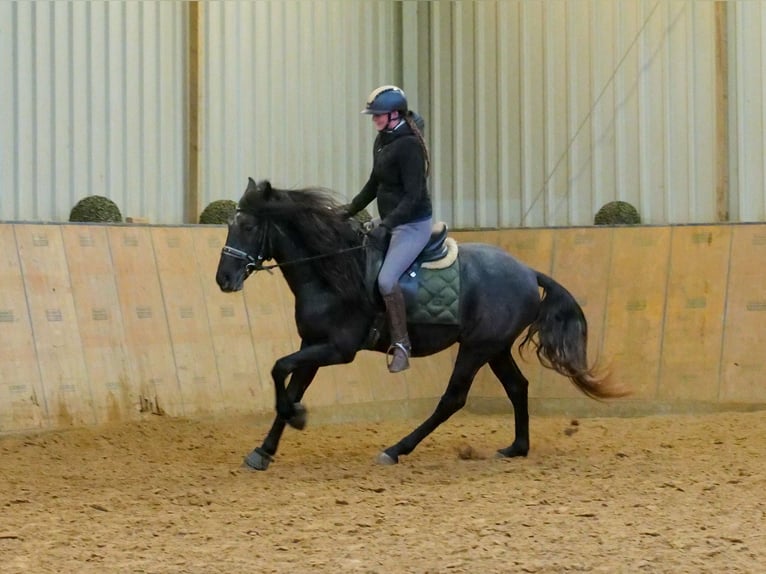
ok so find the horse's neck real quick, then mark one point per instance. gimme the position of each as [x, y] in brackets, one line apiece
[302, 282]
[299, 274]
[307, 278]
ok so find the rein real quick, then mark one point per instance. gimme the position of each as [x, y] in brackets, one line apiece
[306, 259]
[256, 264]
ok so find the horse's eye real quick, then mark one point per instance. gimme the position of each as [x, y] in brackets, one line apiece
[248, 227]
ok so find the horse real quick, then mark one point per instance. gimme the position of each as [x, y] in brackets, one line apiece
[323, 257]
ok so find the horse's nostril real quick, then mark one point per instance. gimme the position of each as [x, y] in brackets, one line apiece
[223, 281]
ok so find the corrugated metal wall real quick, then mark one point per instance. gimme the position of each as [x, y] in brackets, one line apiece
[545, 110]
[92, 102]
[538, 112]
[748, 112]
[283, 86]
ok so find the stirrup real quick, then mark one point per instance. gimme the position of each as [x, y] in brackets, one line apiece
[390, 355]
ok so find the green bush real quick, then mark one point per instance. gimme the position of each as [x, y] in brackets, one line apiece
[219, 211]
[617, 213]
[95, 208]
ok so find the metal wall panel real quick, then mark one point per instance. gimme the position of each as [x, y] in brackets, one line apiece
[283, 84]
[748, 112]
[92, 102]
[544, 111]
[538, 112]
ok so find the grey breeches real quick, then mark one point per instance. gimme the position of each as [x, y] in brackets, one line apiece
[407, 241]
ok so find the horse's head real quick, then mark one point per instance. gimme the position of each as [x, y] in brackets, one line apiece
[247, 243]
[303, 230]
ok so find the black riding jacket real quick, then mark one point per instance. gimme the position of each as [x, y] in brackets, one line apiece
[397, 180]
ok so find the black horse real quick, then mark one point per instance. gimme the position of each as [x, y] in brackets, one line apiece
[322, 258]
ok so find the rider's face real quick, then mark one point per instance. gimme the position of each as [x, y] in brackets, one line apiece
[381, 121]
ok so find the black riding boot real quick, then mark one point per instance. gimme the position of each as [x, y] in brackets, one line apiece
[400, 340]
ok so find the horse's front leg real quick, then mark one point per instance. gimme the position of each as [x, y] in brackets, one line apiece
[309, 357]
[261, 456]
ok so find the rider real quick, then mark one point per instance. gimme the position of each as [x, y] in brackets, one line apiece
[398, 181]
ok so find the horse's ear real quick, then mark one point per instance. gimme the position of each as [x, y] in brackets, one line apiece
[265, 189]
[251, 186]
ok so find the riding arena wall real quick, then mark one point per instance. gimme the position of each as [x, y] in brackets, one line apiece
[103, 323]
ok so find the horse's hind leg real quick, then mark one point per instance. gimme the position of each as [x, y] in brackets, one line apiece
[516, 387]
[467, 364]
[261, 457]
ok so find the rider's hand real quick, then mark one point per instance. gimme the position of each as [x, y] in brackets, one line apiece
[344, 212]
[378, 235]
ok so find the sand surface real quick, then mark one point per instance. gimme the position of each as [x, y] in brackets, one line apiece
[654, 494]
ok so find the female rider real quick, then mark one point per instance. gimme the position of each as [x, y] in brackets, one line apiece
[398, 181]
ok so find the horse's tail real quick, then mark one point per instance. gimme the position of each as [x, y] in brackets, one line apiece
[560, 337]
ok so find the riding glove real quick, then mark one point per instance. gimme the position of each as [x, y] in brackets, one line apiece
[344, 212]
[379, 236]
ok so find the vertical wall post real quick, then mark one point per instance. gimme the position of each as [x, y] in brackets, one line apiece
[722, 111]
[194, 57]
[416, 77]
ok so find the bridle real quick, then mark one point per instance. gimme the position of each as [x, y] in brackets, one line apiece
[253, 264]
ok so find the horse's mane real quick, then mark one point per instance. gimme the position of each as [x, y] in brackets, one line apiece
[310, 216]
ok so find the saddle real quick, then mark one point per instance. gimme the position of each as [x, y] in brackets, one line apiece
[431, 285]
[436, 248]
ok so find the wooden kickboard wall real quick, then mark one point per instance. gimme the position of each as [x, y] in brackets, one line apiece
[105, 323]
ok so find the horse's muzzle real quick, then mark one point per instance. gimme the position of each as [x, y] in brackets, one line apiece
[230, 282]
[234, 267]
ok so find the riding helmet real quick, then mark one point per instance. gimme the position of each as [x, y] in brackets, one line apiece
[384, 100]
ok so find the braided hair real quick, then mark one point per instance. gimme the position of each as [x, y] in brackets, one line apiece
[409, 117]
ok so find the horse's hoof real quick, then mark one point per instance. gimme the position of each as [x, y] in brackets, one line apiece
[298, 420]
[511, 452]
[386, 459]
[259, 459]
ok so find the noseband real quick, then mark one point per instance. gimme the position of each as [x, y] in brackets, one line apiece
[252, 263]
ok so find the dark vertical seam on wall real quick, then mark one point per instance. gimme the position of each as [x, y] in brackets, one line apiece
[32, 330]
[725, 311]
[668, 271]
[166, 315]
